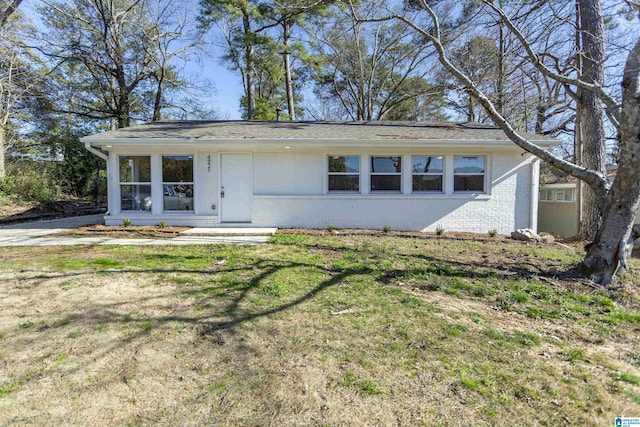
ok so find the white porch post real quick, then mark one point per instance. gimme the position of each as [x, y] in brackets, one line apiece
[157, 193]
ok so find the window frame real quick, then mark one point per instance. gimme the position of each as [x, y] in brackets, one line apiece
[137, 183]
[483, 175]
[372, 174]
[174, 183]
[551, 195]
[565, 192]
[441, 175]
[330, 174]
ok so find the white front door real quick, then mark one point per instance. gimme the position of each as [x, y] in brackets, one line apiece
[235, 188]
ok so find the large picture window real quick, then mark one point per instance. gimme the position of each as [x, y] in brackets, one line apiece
[135, 183]
[386, 173]
[468, 173]
[177, 183]
[344, 173]
[427, 173]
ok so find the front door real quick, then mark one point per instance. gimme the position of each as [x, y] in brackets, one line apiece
[235, 188]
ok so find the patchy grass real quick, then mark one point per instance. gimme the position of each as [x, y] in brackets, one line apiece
[314, 330]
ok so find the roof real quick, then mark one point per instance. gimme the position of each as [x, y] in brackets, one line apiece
[235, 130]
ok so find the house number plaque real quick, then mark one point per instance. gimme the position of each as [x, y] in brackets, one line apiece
[209, 163]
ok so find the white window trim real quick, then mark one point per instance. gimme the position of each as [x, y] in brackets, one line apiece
[121, 183]
[192, 183]
[551, 195]
[441, 174]
[328, 174]
[454, 174]
[400, 174]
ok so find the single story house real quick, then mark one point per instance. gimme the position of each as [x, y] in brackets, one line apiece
[409, 176]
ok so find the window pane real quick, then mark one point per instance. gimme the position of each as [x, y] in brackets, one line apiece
[468, 183]
[177, 168]
[385, 182]
[464, 164]
[427, 182]
[426, 164]
[386, 164]
[344, 163]
[135, 197]
[135, 169]
[344, 182]
[178, 197]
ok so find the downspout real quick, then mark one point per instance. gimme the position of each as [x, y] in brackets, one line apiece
[533, 203]
[89, 148]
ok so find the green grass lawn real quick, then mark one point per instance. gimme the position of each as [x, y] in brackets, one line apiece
[315, 330]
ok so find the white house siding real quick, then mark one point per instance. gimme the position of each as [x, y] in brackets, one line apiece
[206, 183]
[290, 190]
[287, 173]
[505, 207]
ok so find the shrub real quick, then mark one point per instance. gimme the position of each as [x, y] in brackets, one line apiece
[331, 227]
[493, 232]
[386, 228]
[439, 231]
[126, 222]
[162, 224]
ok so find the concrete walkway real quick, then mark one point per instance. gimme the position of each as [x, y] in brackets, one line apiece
[39, 233]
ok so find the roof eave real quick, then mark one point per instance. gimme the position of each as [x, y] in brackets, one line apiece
[312, 142]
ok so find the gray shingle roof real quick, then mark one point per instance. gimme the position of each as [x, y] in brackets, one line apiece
[287, 130]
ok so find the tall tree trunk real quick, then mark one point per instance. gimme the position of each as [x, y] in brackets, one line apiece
[286, 25]
[590, 108]
[3, 171]
[157, 104]
[249, 72]
[613, 243]
[5, 14]
[501, 70]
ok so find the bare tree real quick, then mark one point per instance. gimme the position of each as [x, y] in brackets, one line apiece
[374, 72]
[176, 35]
[618, 203]
[18, 78]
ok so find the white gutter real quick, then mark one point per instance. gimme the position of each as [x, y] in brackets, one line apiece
[98, 153]
[535, 188]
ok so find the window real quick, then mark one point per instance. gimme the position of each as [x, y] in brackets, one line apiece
[556, 195]
[544, 195]
[135, 183]
[177, 183]
[427, 173]
[386, 173]
[468, 173]
[344, 173]
[563, 194]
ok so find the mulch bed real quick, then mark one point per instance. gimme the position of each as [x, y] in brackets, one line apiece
[50, 210]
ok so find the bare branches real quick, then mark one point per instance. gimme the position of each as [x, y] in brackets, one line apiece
[613, 108]
[433, 34]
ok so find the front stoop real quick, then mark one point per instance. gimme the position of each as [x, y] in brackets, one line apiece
[229, 231]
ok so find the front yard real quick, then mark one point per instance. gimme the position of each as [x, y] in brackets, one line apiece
[314, 330]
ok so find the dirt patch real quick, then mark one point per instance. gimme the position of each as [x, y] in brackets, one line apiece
[120, 231]
[412, 234]
[15, 213]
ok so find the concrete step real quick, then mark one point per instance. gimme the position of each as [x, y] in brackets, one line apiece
[229, 231]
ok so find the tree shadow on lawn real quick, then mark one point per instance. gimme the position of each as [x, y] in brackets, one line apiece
[230, 312]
